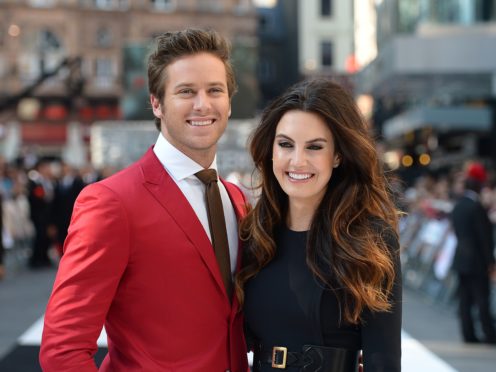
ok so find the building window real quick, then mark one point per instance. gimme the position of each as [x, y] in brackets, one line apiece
[104, 73]
[326, 8]
[326, 54]
[163, 5]
[42, 52]
[103, 37]
[104, 4]
[49, 41]
[215, 6]
[41, 3]
[50, 51]
[3, 67]
[124, 4]
[243, 6]
[266, 71]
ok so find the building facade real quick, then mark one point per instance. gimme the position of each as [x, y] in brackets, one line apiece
[278, 47]
[79, 61]
[433, 82]
[325, 36]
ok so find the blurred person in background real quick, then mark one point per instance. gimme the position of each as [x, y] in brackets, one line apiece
[321, 276]
[139, 256]
[40, 196]
[17, 223]
[474, 260]
[67, 189]
[5, 189]
[2, 250]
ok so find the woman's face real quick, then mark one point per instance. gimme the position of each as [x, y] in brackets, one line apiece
[303, 156]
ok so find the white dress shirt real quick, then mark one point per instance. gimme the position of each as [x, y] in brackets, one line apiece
[182, 170]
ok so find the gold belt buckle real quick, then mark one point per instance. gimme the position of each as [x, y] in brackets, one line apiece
[275, 351]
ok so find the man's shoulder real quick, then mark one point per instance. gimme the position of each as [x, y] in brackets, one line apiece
[465, 201]
[125, 179]
[131, 173]
[120, 178]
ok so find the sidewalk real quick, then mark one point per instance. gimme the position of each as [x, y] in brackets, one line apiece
[23, 298]
[436, 327]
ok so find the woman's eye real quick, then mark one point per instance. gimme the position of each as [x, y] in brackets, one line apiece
[315, 147]
[285, 144]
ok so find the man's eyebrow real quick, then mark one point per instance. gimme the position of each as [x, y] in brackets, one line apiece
[190, 85]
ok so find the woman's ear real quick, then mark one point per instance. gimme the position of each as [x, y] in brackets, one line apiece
[337, 161]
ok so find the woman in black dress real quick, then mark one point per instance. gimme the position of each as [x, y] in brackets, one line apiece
[320, 280]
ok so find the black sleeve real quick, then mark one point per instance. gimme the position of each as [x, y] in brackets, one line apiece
[381, 331]
[484, 235]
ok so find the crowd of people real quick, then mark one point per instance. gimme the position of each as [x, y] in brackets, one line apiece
[448, 244]
[36, 207]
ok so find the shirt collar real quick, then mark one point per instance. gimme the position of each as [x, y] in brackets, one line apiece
[177, 164]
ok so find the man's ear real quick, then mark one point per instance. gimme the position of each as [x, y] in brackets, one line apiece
[156, 107]
[229, 113]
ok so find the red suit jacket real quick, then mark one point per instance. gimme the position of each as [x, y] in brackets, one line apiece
[138, 260]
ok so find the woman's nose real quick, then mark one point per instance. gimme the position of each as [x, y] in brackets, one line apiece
[298, 157]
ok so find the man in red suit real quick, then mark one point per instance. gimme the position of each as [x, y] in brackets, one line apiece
[138, 256]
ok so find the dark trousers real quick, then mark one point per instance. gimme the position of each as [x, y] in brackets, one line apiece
[41, 244]
[474, 290]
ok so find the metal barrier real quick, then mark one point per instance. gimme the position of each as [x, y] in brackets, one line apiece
[427, 248]
[428, 245]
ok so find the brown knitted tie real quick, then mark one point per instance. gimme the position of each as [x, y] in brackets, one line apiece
[217, 225]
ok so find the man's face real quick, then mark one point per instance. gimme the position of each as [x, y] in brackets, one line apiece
[196, 105]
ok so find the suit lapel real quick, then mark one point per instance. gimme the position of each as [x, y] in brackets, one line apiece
[240, 208]
[158, 182]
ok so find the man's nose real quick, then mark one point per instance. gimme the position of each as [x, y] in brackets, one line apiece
[202, 101]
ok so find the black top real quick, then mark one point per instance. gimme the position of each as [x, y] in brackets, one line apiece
[286, 306]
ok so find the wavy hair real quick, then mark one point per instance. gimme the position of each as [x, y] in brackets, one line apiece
[346, 247]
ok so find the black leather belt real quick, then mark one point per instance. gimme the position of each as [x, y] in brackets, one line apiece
[311, 358]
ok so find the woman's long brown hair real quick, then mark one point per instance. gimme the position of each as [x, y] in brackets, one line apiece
[346, 249]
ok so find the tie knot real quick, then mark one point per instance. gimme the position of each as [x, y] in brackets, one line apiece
[207, 176]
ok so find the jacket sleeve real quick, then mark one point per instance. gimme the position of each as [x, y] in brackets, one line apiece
[95, 256]
[381, 331]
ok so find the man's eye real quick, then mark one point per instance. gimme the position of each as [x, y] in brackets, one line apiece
[186, 91]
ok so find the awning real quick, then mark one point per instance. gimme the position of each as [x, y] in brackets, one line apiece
[440, 119]
[44, 133]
